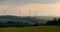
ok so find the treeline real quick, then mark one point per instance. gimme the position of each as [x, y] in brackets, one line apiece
[16, 24]
[54, 22]
[29, 23]
[14, 21]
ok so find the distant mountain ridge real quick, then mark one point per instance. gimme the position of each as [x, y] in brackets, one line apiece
[18, 17]
[10, 17]
[28, 18]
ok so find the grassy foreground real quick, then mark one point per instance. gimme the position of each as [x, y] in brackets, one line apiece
[32, 29]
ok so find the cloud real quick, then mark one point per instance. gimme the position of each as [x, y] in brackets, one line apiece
[42, 7]
[36, 9]
[29, 1]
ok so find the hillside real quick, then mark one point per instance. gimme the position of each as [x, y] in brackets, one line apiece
[42, 19]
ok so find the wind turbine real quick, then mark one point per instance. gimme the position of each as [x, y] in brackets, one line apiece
[30, 12]
[4, 12]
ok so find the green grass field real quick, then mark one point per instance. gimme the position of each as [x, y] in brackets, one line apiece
[32, 29]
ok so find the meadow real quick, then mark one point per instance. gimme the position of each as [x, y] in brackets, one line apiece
[31, 29]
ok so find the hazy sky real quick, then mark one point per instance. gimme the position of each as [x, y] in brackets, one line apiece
[23, 7]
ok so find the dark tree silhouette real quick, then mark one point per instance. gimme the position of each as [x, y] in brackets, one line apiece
[54, 22]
